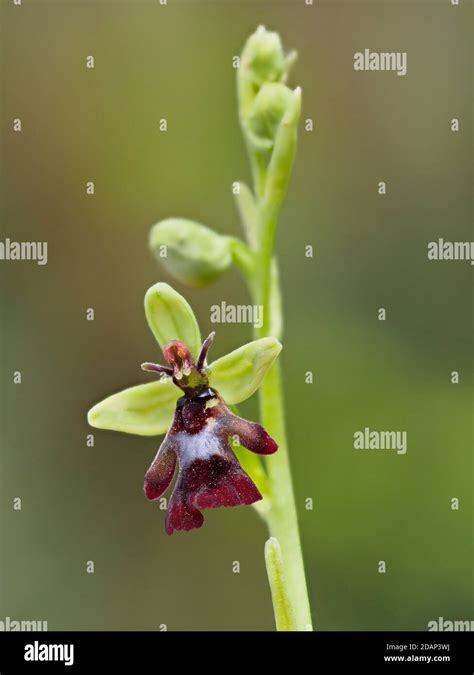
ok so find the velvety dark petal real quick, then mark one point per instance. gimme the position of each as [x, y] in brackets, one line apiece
[251, 435]
[180, 515]
[227, 485]
[161, 472]
[210, 476]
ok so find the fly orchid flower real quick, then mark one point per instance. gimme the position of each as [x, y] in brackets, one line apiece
[191, 402]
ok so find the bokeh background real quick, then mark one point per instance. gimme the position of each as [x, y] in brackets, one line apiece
[81, 503]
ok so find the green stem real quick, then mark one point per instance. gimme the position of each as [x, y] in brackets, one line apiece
[265, 255]
[265, 104]
[282, 518]
[283, 521]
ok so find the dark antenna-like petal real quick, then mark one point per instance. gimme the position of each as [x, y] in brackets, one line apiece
[206, 345]
[157, 368]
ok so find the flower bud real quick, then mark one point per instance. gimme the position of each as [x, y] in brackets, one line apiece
[263, 56]
[266, 114]
[262, 61]
[192, 253]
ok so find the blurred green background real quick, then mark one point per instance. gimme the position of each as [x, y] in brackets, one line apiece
[81, 503]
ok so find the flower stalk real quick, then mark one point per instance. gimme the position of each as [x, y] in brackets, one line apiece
[193, 402]
[269, 113]
[270, 186]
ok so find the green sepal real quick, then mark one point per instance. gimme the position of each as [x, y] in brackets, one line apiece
[145, 410]
[237, 375]
[170, 317]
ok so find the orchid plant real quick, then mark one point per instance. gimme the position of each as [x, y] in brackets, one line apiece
[193, 402]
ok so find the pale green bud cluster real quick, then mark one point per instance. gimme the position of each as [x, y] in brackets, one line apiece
[264, 97]
[269, 113]
[262, 61]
